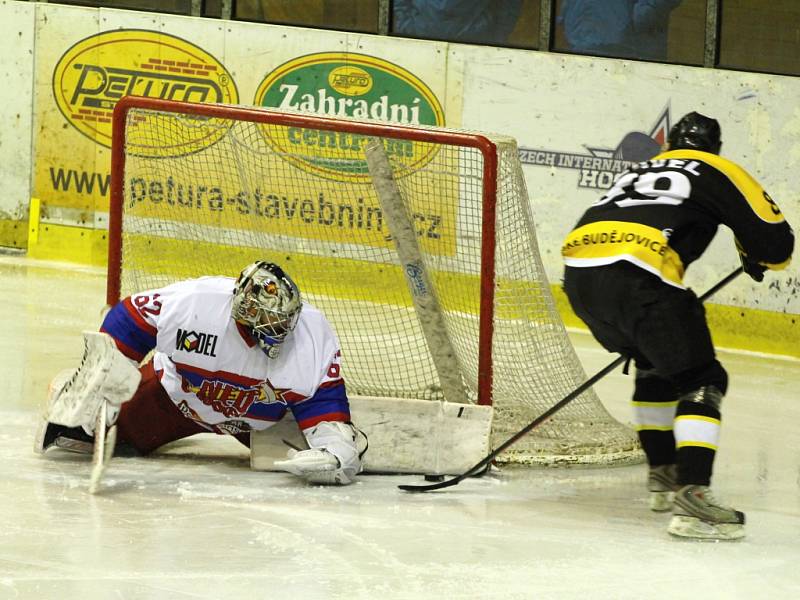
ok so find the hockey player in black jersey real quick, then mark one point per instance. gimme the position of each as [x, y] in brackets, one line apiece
[625, 260]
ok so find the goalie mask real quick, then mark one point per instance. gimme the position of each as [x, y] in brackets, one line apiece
[267, 302]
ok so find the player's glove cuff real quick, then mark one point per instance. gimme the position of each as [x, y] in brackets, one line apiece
[754, 269]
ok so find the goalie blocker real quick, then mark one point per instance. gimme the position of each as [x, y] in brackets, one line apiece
[334, 457]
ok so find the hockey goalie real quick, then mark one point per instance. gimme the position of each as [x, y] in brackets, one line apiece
[213, 354]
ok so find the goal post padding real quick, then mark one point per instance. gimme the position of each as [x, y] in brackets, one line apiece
[204, 189]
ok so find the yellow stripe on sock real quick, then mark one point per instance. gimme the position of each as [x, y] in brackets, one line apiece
[698, 418]
[695, 444]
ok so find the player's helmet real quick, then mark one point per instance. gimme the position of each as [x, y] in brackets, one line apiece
[696, 132]
[267, 302]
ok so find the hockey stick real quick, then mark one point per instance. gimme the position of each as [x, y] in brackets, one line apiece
[484, 464]
[105, 439]
[423, 294]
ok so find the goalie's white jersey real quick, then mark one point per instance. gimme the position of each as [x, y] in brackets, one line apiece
[212, 369]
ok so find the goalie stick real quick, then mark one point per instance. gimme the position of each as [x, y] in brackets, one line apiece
[484, 464]
[105, 438]
[423, 294]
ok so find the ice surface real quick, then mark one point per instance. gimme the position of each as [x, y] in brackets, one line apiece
[195, 522]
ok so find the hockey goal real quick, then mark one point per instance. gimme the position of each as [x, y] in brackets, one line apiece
[418, 243]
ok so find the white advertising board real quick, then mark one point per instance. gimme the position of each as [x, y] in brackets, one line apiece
[579, 120]
[16, 98]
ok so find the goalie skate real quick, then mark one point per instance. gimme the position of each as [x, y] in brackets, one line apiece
[71, 439]
[105, 376]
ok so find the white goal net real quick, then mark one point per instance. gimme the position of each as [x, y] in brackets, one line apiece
[205, 189]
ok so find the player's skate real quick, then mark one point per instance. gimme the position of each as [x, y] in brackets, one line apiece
[697, 515]
[661, 485]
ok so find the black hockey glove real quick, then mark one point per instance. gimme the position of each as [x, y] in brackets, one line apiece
[752, 268]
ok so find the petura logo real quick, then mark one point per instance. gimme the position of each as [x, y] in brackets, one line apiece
[335, 84]
[96, 72]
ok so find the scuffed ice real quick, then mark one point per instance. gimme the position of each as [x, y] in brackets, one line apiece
[195, 522]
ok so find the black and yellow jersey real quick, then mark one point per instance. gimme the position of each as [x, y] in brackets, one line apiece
[663, 213]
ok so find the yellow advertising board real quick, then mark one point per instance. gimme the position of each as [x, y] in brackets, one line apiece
[303, 196]
[88, 79]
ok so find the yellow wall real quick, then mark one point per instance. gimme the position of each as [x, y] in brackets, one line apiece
[732, 327]
[13, 234]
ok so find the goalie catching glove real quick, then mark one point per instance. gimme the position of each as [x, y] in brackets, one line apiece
[334, 457]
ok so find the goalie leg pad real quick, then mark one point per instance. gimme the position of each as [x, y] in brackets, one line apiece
[105, 375]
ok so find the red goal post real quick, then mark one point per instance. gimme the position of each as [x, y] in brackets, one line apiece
[199, 189]
[285, 119]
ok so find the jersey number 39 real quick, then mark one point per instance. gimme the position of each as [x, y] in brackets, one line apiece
[635, 189]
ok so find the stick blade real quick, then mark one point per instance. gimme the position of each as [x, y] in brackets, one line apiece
[429, 487]
[479, 470]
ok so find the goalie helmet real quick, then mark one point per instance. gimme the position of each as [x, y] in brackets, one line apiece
[696, 132]
[267, 302]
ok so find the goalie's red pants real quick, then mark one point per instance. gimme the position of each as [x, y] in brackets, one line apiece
[150, 418]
